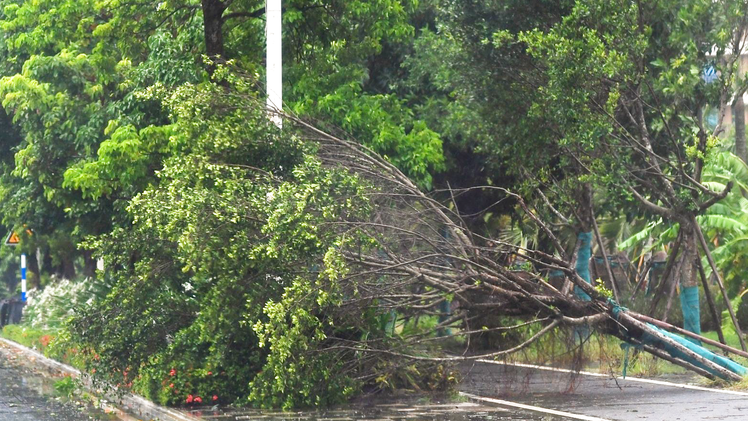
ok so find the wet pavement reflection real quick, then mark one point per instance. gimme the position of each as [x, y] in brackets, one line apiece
[402, 410]
[27, 395]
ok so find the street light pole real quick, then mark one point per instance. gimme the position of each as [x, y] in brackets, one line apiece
[273, 13]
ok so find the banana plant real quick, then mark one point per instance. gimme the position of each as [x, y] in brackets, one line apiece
[725, 223]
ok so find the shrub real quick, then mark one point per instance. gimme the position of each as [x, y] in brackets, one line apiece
[50, 307]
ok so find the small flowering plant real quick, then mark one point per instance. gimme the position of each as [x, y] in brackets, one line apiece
[189, 386]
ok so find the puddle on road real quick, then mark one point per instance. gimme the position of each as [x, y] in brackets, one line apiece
[75, 409]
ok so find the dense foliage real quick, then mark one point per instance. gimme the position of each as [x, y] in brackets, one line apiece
[131, 131]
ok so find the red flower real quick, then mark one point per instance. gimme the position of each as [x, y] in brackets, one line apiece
[215, 397]
[171, 385]
[173, 372]
[189, 398]
[210, 373]
[198, 399]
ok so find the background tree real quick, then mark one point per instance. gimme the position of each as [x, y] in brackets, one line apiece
[628, 83]
[608, 94]
[75, 73]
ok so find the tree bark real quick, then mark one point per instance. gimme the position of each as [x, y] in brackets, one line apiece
[710, 259]
[738, 112]
[68, 267]
[608, 269]
[673, 288]
[89, 264]
[738, 106]
[712, 305]
[34, 277]
[690, 254]
[662, 285]
[689, 284]
[213, 24]
[47, 261]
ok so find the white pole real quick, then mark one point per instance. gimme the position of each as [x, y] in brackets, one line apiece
[273, 12]
[23, 277]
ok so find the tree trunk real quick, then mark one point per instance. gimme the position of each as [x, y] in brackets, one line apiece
[89, 264]
[33, 274]
[213, 24]
[738, 106]
[606, 261]
[738, 113]
[68, 267]
[689, 256]
[584, 237]
[715, 271]
[47, 261]
[689, 284]
[716, 319]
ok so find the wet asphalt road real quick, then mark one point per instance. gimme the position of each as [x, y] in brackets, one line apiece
[28, 396]
[25, 395]
[605, 397]
[403, 409]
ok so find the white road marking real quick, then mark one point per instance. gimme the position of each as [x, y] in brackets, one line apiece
[632, 379]
[532, 408]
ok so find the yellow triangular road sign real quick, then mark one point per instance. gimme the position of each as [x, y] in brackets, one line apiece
[12, 239]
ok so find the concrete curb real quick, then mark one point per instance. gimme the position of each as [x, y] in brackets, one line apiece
[130, 403]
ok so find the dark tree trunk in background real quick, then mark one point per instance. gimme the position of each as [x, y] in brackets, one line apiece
[33, 276]
[68, 267]
[47, 261]
[213, 23]
[89, 264]
[65, 268]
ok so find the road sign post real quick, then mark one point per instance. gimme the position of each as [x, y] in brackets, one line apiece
[23, 277]
[13, 240]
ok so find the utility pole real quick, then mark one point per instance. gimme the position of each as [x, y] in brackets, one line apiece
[273, 13]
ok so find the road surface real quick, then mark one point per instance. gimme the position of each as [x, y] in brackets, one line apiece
[680, 397]
[496, 392]
[26, 395]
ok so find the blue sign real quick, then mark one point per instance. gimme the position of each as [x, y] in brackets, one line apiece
[709, 75]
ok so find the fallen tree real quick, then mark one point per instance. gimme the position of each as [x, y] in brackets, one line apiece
[421, 244]
[299, 280]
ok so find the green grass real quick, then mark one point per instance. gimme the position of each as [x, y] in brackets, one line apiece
[732, 340]
[42, 341]
[730, 337]
[600, 353]
[29, 337]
